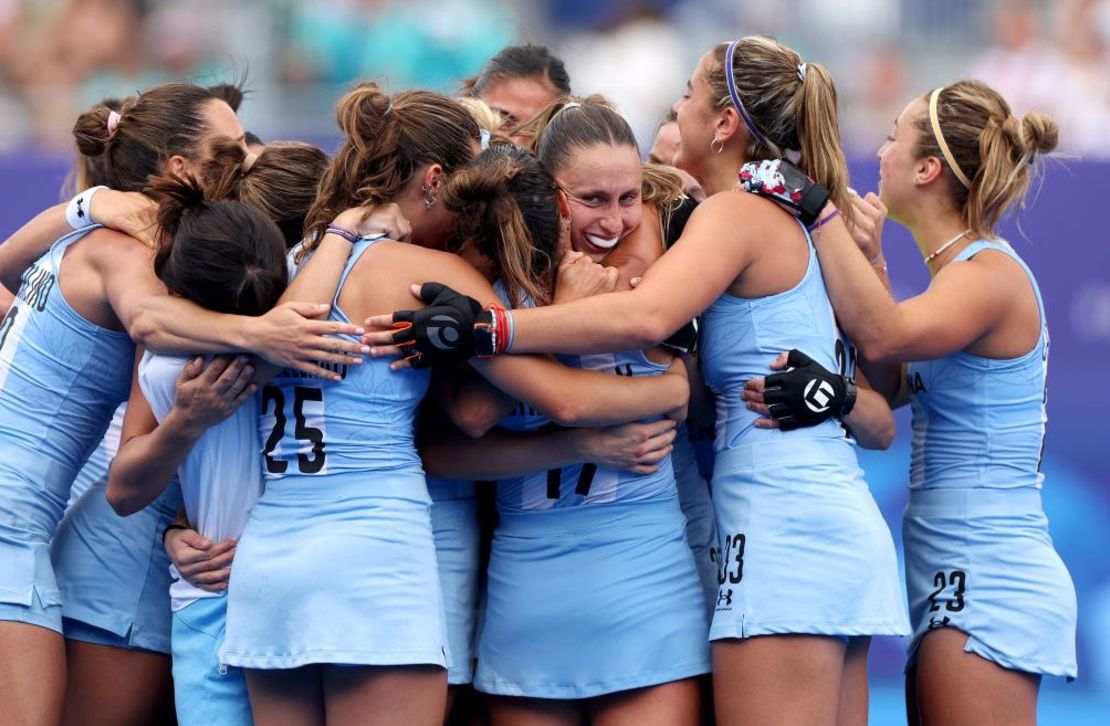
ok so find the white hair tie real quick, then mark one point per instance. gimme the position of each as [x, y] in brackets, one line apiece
[113, 122]
[802, 67]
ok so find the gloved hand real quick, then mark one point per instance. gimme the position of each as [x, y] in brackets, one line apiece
[807, 394]
[443, 333]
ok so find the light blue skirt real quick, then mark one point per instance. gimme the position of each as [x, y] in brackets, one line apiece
[803, 547]
[113, 572]
[589, 600]
[697, 506]
[337, 569]
[455, 525]
[206, 693]
[981, 560]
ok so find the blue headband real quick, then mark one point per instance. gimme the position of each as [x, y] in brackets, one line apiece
[731, 79]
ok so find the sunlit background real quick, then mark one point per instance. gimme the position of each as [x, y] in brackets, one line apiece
[58, 57]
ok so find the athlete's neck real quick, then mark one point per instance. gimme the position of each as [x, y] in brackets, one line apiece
[930, 234]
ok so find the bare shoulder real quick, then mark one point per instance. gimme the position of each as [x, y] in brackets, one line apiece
[398, 265]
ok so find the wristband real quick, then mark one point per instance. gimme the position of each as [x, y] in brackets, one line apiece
[79, 209]
[170, 527]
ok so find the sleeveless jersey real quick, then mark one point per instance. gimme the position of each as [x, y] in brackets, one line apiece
[980, 422]
[96, 466]
[61, 378]
[221, 478]
[741, 336]
[584, 484]
[309, 426]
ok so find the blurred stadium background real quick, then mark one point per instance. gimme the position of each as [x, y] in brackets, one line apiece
[60, 56]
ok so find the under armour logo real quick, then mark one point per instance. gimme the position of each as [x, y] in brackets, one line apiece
[445, 337]
[817, 395]
[943, 622]
[724, 597]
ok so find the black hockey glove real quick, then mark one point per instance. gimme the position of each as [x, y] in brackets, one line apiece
[446, 332]
[807, 394]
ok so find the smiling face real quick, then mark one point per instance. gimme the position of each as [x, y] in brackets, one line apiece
[603, 183]
[899, 163]
[697, 115]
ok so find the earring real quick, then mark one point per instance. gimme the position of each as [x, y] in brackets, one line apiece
[429, 198]
[713, 146]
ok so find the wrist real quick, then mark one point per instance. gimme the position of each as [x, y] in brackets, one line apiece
[170, 528]
[79, 209]
[181, 429]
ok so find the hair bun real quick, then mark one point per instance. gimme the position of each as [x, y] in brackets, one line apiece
[361, 114]
[91, 131]
[1040, 132]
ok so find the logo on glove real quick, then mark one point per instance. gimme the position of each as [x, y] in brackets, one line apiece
[818, 393]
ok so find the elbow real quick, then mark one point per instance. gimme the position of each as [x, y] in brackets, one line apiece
[568, 414]
[878, 350]
[884, 438]
[142, 329]
[648, 331]
[121, 503]
[473, 423]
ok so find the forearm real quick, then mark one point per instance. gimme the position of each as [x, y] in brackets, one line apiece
[501, 454]
[30, 242]
[144, 465]
[871, 421]
[863, 303]
[599, 324]
[573, 397]
[318, 277]
[169, 324]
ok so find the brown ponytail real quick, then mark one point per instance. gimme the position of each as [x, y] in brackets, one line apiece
[791, 103]
[993, 148]
[506, 205]
[385, 142]
[164, 121]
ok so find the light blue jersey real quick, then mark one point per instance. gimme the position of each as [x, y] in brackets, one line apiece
[337, 561]
[978, 554]
[802, 546]
[61, 377]
[980, 422]
[585, 484]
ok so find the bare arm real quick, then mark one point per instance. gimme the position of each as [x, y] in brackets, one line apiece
[150, 453]
[870, 420]
[129, 212]
[285, 336]
[635, 447]
[30, 242]
[962, 304]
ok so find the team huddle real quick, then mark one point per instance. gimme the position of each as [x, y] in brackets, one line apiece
[485, 404]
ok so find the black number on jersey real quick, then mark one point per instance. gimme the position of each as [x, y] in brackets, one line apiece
[301, 429]
[956, 579]
[7, 323]
[730, 560]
